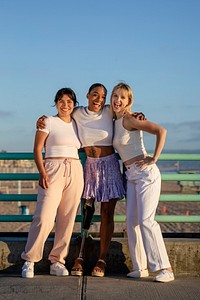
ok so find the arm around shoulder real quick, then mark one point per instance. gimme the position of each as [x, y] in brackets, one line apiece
[40, 124]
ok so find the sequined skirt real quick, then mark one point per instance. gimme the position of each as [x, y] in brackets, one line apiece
[103, 179]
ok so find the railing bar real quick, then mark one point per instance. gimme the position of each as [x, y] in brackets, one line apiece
[180, 177]
[160, 218]
[26, 218]
[180, 197]
[117, 218]
[18, 197]
[19, 176]
[25, 155]
[35, 176]
[163, 156]
[179, 157]
[163, 197]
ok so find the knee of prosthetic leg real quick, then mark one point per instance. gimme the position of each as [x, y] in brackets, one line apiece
[88, 212]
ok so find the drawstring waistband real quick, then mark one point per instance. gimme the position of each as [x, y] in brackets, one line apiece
[67, 162]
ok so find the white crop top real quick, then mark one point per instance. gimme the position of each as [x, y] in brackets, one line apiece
[94, 128]
[128, 144]
[62, 140]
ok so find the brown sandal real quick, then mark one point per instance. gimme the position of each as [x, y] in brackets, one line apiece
[99, 269]
[77, 269]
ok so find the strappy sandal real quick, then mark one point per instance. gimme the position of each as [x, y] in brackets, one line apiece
[99, 269]
[77, 269]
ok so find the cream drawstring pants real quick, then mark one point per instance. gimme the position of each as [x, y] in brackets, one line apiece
[145, 239]
[59, 202]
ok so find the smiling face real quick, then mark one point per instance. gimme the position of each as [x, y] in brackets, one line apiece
[119, 100]
[96, 98]
[65, 106]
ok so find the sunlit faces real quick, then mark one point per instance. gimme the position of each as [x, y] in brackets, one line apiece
[65, 106]
[96, 98]
[119, 100]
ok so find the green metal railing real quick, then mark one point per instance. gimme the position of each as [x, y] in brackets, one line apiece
[97, 218]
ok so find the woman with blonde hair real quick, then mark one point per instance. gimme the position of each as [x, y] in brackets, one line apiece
[145, 239]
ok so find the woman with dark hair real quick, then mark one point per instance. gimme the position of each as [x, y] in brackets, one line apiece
[102, 177]
[60, 186]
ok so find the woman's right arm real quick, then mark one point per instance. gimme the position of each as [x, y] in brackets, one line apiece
[40, 138]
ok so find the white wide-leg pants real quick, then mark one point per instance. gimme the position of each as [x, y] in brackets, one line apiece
[145, 239]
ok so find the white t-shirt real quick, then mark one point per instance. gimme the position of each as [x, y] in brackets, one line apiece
[62, 140]
[94, 128]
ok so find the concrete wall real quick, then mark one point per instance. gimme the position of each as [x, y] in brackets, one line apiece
[184, 255]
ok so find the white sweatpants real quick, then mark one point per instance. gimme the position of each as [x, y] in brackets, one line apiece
[145, 239]
[58, 202]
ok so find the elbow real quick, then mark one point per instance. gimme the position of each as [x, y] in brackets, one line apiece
[163, 132]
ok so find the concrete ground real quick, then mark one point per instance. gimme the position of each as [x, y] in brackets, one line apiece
[184, 255]
[92, 288]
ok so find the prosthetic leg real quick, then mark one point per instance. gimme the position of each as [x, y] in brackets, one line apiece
[88, 212]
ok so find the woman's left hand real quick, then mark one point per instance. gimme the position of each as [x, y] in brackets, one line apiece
[148, 160]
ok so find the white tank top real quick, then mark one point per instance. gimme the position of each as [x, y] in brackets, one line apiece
[94, 128]
[62, 140]
[128, 144]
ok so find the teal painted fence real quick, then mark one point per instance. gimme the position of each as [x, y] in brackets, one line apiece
[194, 178]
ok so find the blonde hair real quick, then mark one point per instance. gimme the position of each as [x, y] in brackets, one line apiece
[125, 87]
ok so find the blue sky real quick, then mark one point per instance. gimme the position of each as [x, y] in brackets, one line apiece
[154, 46]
